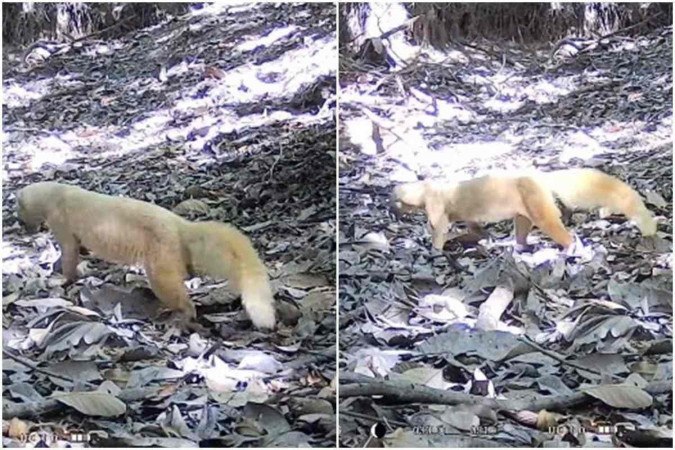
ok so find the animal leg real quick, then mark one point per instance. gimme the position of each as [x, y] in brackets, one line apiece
[523, 225]
[554, 228]
[166, 280]
[70, 255]
[438, 222]
[543, 212]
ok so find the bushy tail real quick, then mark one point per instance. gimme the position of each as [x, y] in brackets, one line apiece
[220, 250]
[591, 189]
[256, 296]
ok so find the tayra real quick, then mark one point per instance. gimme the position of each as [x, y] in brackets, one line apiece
[169, 247]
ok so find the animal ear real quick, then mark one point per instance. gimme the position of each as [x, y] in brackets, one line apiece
[438, 221]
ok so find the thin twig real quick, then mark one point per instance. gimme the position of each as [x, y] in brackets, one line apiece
[34, 367]
[111, 27]
[560, 358]
[371, 419]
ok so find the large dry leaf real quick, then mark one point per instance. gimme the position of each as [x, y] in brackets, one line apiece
[93, 403]
[460, 417]
[425, 376]
[269, 417]
[405, 438]
[621, 396]
[492, 345]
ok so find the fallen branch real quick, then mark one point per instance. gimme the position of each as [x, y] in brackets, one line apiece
[48, 405]
[405, 392]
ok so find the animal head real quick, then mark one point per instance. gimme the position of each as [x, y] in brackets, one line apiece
[30, 214]
[432, 198]
[409, 197]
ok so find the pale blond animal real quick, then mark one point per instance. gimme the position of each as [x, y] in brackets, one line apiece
[169, 247]
[528, 199]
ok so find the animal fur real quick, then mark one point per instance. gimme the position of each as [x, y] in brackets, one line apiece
[528, 199]
[169, 247]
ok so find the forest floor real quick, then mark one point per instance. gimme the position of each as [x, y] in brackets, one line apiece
[225, 113]
[424, 328]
